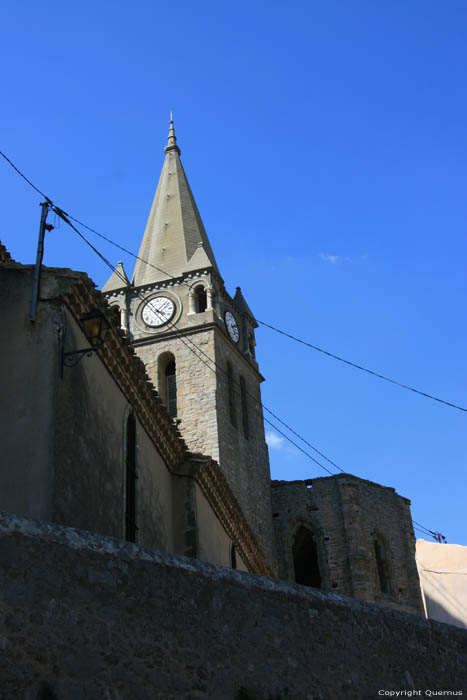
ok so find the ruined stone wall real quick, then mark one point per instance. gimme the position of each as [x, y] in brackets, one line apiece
[84, 617]
[295, 504]
[346, 514]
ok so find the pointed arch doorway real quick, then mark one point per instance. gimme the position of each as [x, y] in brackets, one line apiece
[305, 557]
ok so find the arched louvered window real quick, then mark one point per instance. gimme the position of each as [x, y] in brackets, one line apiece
[131, 477]
[305, 556]
[201, 300]
[243, 395]
[171, 389]
[382, 567]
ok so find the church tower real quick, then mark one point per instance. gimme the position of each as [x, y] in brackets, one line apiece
[198, 343]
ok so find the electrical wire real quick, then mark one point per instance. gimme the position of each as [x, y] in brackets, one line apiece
[66, 217]
[363, 369]
[422, 526]
[195, 348]
[263, 323]
[417, 526]
[25, 178]
[438, 536]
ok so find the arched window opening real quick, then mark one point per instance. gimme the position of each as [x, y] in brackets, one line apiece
[305, 556]
[231, 392]
[243, 395]
[131, 477]
[167, 382]
[233, 556]
[171, 389]
[251, 345]
[201, 299]
[382, 567]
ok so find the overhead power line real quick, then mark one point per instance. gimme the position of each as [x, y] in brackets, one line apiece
[363, 369]
[196, 349]
[417, 526]
[263, 323]
[66, 217]
[24, 176]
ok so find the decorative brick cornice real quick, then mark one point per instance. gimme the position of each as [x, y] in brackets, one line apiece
[129, 373]
[215, 487]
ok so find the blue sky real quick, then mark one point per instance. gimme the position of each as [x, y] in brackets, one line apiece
[325, 144]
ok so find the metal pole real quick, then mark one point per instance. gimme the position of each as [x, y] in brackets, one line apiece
[40, 255]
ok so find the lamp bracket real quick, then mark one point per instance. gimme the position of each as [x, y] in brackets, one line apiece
[71, 359]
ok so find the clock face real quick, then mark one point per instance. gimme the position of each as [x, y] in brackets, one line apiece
[158, 311]
[232, 327]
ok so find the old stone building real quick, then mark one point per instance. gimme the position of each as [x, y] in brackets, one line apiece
[347, 535]
[158, 437]
[86, 441]
[136, 503]
[198, 345]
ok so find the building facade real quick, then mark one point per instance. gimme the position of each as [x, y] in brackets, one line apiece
[158, 437]
[347, 535]
[197, 343]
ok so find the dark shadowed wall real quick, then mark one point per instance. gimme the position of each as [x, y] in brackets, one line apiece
[96, 618]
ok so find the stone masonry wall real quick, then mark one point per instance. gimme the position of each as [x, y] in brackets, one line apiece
[196, 388]
[84, 617]
[245, 461]
[345, 514]
[203, 402]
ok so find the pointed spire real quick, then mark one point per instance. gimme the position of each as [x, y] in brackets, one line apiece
[172, 140]
[240, 303]
[175, 241]
[117, 279]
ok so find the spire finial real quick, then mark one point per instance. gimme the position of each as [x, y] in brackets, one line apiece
[172, 140]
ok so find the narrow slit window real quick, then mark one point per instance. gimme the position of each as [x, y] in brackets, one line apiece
[233, 556]
[131, 477]
[231, 391]
[244, 398]
[382, 568]
[171, 389]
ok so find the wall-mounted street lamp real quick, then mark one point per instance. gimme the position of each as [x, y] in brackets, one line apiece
[96, 328]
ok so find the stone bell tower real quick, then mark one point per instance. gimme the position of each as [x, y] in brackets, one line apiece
[198, 343]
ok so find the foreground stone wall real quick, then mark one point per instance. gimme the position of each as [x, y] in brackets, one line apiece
[85, 617]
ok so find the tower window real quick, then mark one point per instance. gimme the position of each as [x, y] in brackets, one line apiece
[305, 556]
[233, 556]
[251, 345]
[131, 477]
[201, 300]
[231, 392]
[382, 567]
[167, 382]
[243, 395]
[171, 389]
